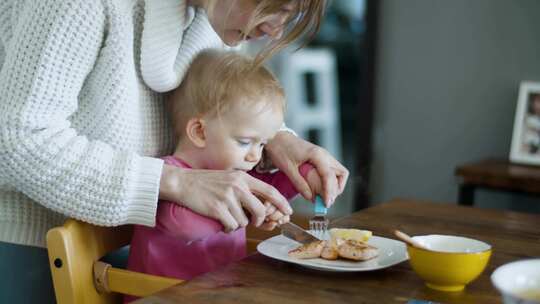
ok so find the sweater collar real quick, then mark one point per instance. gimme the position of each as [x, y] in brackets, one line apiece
[173, 34]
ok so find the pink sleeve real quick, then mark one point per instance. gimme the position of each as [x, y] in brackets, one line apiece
[182, 223]
[281, 182]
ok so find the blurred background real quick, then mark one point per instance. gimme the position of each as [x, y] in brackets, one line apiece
[402, 92]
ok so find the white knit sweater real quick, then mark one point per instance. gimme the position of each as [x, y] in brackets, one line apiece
[80, 114]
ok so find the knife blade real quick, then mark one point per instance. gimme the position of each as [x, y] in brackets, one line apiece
[297, 233]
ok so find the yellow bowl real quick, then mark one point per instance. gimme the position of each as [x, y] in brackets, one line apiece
[452, 261]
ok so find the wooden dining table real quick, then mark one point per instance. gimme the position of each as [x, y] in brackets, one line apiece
[260, 279]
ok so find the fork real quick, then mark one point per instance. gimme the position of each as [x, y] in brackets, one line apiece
[318, 224]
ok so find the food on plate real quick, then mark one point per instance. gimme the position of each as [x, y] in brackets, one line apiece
[336, 248]
[329, 252]
[308, 251]
[350, 234]
[358, 251]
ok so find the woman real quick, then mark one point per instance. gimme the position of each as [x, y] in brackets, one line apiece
[82, 118]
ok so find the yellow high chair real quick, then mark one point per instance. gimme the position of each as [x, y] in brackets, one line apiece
[79, 277]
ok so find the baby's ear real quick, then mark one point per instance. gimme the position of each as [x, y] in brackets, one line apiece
[195, 132]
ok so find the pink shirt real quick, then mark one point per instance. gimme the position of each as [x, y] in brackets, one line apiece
[184, 244]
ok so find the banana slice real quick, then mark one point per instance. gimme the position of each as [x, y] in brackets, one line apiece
[350, 234]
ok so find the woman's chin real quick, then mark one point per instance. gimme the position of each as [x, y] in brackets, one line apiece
[234, 38]
[232, 42]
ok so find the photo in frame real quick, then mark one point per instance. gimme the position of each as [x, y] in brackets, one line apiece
[525, 147]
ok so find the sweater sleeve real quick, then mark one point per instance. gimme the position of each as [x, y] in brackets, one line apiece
[54, 47]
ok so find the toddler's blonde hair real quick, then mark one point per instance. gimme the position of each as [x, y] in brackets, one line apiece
[218, 79]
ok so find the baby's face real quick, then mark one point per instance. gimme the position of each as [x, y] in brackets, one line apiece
[235, 139]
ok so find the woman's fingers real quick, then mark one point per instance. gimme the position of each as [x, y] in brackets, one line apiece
[288, 152]
[342, 176]
[253, 205]
[332, 188]
[270, 194]
[236, 211]
[228, 221]
[319, 159]
[333, 175]
[340, 172]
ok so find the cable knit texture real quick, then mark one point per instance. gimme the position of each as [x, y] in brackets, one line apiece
[80, 114]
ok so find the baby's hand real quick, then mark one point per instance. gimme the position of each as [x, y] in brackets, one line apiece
[274, 217]
[315, 184]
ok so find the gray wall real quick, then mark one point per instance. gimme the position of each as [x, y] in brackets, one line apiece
[448, 73]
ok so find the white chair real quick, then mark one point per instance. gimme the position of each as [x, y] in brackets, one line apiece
[317, 110]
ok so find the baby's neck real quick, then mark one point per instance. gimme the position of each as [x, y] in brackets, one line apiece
[191, 155]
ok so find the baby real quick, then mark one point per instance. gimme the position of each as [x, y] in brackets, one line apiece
[223, 114]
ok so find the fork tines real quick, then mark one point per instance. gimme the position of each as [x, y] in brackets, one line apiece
[318, 224]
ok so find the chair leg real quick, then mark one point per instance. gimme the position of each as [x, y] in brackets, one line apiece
[101, 280]
[466, 195]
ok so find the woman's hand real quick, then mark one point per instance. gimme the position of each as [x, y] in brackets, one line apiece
[221, 195]
[288, 152]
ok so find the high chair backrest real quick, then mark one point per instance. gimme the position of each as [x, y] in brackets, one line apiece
[79, 277]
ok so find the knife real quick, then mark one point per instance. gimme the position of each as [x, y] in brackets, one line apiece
[296, 233]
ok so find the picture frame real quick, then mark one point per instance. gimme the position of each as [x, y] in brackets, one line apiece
[525, 148]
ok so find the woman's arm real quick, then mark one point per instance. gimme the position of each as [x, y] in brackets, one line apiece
[53, 48]
[185, 224]
[221, 195]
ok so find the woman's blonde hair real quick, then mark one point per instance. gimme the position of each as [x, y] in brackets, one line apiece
[218, 79]
[305, 19]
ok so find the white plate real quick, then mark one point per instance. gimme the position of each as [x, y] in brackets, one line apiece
[391, 252]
